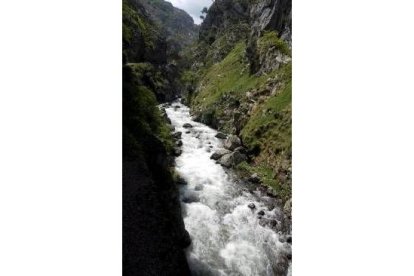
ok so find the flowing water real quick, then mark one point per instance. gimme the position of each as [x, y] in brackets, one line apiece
[228, 237]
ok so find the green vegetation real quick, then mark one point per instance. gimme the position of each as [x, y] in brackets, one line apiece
[142, 119]
[268, 133]
[154, 34]
[236, 83]
[270, 125]
[133, 22]
[271, 39]
[216, 48]
[230, 76]
[256, 106]
[268, 176]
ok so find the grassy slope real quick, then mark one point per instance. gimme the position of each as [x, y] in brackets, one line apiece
[267, 130]
[231, 75]
[270, 130]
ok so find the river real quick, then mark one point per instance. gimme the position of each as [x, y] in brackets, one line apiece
[228, 237]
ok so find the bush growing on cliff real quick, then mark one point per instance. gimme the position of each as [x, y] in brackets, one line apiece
[141, 116]
[270, 39]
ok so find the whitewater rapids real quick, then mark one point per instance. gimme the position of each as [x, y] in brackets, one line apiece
[227, 238]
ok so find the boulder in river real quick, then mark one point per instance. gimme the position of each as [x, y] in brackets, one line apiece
[232, 142]
[232, 159]
[261, 213]
[219, 153]
[177, 152]
[187, 125]
[177, 135]
[271, 223]
[221, 135]
[179, 143]
[251, 206]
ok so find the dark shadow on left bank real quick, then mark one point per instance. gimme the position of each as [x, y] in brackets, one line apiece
[154, 236]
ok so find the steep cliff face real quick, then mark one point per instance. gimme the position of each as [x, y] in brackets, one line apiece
[230, 21]
[226, 23]
[177, 26]
[154, 236]
[141, 39]
[259, 14]
[156, 32]
[269, 16]
[242, 83]
[275, 15]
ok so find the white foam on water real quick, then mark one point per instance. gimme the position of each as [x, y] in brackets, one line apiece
[226, 236]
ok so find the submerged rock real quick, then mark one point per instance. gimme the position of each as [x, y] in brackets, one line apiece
[271, 223]
[187, 125]
[232, 142]
[177, 135]
[261, 213]
[198, 188]
[221, 135]
[190, 197]
[219, 153]
[180, 181]
[251, 206]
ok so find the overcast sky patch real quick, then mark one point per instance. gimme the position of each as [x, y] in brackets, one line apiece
[192, 7]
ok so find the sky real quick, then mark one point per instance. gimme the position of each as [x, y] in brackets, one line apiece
[192, 7]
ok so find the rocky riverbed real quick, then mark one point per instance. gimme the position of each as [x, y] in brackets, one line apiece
[236, 227]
